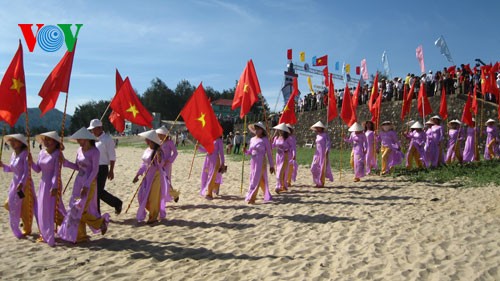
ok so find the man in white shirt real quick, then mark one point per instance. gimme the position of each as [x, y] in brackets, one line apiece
[107, 159]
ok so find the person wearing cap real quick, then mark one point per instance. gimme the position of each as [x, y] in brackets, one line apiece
[293, 165]
[213, 168]
[320, 167]
[259, 149]
[471, 151]
[283, 147]
[416, 148]
[437, 142]
[491, 147]
[390, 148]
[169, 153]
[454, 138]
[359, 148]
[153, 193]
[21, 201]
[49, 197]
[82, 207]
[371, 150]
[107, 160]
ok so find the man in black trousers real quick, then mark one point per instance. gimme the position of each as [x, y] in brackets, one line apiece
[107, 159]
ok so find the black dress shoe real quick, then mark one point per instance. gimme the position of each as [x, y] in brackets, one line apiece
[118, 210]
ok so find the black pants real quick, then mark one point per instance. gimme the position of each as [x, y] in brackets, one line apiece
[237, 148]
[102, 194]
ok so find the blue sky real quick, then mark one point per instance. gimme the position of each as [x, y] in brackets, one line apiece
[211, 40]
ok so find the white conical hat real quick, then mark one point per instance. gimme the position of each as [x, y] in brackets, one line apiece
[289, 126]
[436, 117]
[318, 124]
[417, 125]
[82, 134]
[151, 135]
[490, 121]
[259, 124]
[19, 137]
[282, 127]
[456, 121]
[429, 122]
[52, 134]
[162, 130]
[356, 127]
[386, 123]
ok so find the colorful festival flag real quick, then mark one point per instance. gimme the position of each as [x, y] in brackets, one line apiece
[247, 91]
[420, 58]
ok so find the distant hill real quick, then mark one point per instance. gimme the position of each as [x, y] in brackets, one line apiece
[50, 121]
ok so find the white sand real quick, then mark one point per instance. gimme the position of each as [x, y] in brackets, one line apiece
[378, 229]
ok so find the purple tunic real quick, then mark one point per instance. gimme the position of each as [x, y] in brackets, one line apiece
[470, 145]
[293, 163]
[19, 167]
[146, 186]
[48, 164]
[390, 140]
[359, 148]
[454, 138]
[208, 171]
[491, 135]
[321, 161]
[418, 141]
[283, 156]
[87, 165]
[435, 136]
[259, 148]
[371, 156]
[169, 153]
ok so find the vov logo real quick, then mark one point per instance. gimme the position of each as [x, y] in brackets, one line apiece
[50, 38]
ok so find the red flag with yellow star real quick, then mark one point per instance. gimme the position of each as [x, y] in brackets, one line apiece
[288, 115]
[247, 91]
[115, 118]
[13, 90]
[129, 107]
[56, 82]
[200, 119]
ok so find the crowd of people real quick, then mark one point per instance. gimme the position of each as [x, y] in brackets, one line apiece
[453, 80]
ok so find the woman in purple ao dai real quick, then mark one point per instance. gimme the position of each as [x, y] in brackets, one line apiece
[284, 148]
[453, 152]
[213, 167]
[491, 150]
[416, 148]
[82, 207]
[320, 167]
[169, 153]
[51, 210]
[21, 202]
[359, 148]
[259, 149]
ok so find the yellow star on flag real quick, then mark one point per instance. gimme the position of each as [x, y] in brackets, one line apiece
[286, 108]
[202, 119]
[133, 110]
[245, 88]
[16, 85]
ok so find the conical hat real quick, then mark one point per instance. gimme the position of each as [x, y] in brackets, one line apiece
[259, 124]
[82, 134]
[19, 137]
[52, 134]
[162, 130]
[455, 121]
[290, 126]
[386, 123]
[318, 124]
[356, 127]
[429, 123]
[282, 127]
[417, 125]
[436, 117]
[490, 121]
[151, 135]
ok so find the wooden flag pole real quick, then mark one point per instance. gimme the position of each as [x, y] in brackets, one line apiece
[149, 166]
[61, 159]
[29, 181]
[340, 152]
[192, 161]
[243, 155]
[1, 148]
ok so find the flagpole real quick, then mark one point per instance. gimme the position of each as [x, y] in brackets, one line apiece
[1, 148]
[29, 180]
[192, 161]
[149, 166]
[481, 133]
[243, 154]
[61, 159]
[340, 153]
[265, 115]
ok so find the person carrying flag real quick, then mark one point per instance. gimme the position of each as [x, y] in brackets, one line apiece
[284, 149]
[359, 148]
[320, 167]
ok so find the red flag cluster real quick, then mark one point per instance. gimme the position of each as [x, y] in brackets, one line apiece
[347, 113]
[200, 119]
[247, 91]
[424, 106]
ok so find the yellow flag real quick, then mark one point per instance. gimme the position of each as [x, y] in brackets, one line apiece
[309, 82]
[347, 68]
[302, 56]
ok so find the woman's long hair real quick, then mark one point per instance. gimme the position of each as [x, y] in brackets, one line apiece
[156, 148]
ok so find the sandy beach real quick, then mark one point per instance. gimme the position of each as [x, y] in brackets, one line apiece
[377, 229]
